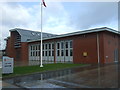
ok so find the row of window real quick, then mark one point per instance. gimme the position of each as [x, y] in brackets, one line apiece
[64, 45]
[45, 53]
[62, 49]
[65, 52]
[45, 46]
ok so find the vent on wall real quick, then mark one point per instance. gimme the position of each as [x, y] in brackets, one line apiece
[17, 42]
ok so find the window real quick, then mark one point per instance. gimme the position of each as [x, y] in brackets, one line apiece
[58, 53]
[62, 45]
[31, 54]
[31, 48]
[38, 53]
[58, 45]
[49, 46]
[49, 53]
[66, 52]
[71, 52]
[36, 47]
[66, 44]
[52, 53]
[39, 47]
[45, 53]
[45, 46]
[62, 53]
[71, 44]
[52, 46]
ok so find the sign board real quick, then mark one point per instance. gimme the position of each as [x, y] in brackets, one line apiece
[85, 54]
[7, 65]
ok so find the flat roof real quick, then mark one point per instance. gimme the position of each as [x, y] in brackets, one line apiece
[80, 32]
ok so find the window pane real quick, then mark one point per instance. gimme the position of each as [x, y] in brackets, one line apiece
[38, 53]
[45, 53]
[49, 46]
[52, 53]
[58, 45]
[71, 44]
[62, 45]
[39, 47]
[31, 54]
[52, 46]
[66, 52]
[46, 46]
[43, 46]
[62, 53]
[71, 52]
[31, 48]
[66, 44]
[58, 53]
[49, 53]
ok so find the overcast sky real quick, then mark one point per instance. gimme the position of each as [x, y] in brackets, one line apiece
[58, 17]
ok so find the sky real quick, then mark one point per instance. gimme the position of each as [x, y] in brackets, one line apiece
[58, 17]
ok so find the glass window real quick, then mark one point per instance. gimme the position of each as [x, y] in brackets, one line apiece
[36, 47]
[31, 54]
[71, 52]
[49, 46]
[66, 52]
[39, 47]
[49, 53]
[52, 53]
[62, 45]
[52, 46]
[58, 45]
[71, 44]
[43, 46]
[38, 53]
[45, 53]
[62, 53]
[31, 48]
[66, 44]
[58, 53]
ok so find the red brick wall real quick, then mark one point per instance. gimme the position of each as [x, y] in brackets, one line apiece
[87, 44]
[110, 44]
[19, 54]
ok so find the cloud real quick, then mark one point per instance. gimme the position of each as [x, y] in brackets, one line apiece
[18, 15]
[96, 13]
[57, 18]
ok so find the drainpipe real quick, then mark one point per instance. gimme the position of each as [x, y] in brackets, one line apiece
[98, 49]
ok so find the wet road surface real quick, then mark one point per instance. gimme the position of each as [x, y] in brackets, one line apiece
[84, 77]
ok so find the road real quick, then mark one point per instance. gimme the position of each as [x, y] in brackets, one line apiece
[86, 77]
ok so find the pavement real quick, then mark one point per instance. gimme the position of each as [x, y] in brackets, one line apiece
[105, 76]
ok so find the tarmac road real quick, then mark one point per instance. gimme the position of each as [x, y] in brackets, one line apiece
[86, 77]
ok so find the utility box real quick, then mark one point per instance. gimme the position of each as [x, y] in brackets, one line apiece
[7, 65]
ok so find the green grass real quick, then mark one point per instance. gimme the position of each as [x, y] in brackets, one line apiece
[18, 71]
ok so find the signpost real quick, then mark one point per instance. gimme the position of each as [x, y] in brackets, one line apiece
[7, 65]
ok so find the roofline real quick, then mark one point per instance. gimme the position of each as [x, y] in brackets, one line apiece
[81, 32]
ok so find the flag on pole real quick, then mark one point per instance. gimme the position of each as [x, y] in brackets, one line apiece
[44, 3]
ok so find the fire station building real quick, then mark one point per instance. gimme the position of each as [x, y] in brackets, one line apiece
[99, 45]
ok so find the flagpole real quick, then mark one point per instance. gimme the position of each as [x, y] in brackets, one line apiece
[41, 65]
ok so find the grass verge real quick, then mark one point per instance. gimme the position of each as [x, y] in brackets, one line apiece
[19, 71]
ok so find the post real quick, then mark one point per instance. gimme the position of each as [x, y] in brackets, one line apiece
[98, 48]
[41, 38]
